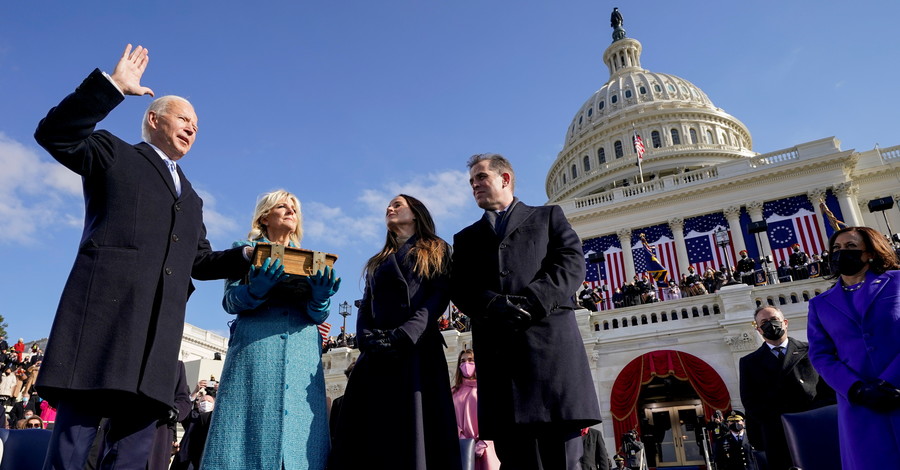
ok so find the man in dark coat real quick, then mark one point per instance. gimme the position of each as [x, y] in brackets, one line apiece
[595, 456]
[515, 274]
[734, 451]
[798, 261]
[775, 379]
[117, 331]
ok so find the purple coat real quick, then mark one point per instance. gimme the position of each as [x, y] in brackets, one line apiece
[846, 346]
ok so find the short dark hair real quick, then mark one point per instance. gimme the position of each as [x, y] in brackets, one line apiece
[498, 163]
[765, 306]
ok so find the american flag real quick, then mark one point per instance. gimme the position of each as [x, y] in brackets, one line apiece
[324, 328]
[599, 274]
[700, 239]
[639, 147]
[792, 220]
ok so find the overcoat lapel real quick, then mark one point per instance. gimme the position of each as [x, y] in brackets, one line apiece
[873, 288]
[793, 355]
[147, 152]
[837, 299]
[517, 215]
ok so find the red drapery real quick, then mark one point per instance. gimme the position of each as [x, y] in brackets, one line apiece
[683, 366]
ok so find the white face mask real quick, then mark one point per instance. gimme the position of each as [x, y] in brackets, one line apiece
[205, 406]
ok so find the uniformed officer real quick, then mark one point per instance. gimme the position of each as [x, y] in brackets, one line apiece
[734, 451]
[745, 268]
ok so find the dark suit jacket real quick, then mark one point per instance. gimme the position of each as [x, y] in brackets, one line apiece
[732, 455]
[539, 375]
[770, 388]
[123, 304]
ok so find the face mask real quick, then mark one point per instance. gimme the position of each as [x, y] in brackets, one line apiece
[205, 406]
[736, 427]
[467, 369]
[773, 330]
[847, 262]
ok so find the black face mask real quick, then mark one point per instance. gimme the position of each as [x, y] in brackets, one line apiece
[736, 427]
[772, 330]
[847, 262]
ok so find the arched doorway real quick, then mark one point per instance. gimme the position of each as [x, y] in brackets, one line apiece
[663, 394]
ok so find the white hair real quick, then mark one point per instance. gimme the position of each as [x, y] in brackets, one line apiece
[158, 106]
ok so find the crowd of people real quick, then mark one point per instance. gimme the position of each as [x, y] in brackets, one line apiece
[20, 366]
[643, 289]
[117, 386]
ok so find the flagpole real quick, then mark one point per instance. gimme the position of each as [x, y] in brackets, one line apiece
[639, 154]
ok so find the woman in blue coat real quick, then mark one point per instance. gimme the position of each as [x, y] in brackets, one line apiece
[853, 343]
[270, 407]
[397, 411]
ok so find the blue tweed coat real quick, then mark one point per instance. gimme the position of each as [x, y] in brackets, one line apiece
[270, 409]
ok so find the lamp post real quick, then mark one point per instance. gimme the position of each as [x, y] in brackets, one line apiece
[722, 239]
[344, 311]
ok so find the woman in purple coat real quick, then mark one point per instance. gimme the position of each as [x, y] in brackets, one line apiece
[853, 343]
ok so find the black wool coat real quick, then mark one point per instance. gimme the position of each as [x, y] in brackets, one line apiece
[540, 375]
[117, 331]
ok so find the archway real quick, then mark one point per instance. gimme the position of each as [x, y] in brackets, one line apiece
[643, 370]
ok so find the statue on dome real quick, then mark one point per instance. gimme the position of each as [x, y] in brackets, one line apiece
[615, 19]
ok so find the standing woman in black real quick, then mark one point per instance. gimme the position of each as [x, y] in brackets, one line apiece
[397, 411]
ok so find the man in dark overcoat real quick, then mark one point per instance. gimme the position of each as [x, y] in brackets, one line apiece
[117, 332]
[515, 272]
[775, 379]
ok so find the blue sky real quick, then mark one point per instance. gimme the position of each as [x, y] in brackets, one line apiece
[347, 103]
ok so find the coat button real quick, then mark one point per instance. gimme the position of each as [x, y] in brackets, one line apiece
[177, 207]
[503, 245]
[504, 273]
[174, 237]
[169, 271]
[284, 336]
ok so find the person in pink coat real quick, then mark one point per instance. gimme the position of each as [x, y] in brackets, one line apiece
[465, 400]
[48, 413]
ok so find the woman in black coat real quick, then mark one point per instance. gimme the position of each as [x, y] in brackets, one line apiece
[397, 411]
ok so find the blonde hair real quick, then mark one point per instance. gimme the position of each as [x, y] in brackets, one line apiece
[264, 205]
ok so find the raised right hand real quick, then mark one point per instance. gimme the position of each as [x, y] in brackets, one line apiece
[129, 70]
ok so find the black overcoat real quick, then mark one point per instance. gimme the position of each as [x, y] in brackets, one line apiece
[771, 387]
[117, 331]
[540, 375]
[397, 411]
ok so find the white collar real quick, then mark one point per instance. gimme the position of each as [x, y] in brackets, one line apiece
[783, 344]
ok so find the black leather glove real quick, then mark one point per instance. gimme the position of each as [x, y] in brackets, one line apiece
[509, 311]
[381, 341]
[878, 395]
[172, 417]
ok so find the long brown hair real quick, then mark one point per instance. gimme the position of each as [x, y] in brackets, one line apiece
[458, 378]
[885, 258]
[430, 253]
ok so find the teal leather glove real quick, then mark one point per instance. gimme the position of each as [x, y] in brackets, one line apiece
[322, 287]
[265, 277]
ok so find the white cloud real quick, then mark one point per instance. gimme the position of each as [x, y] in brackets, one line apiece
[444, 193]
[36, 194]
[217, 224]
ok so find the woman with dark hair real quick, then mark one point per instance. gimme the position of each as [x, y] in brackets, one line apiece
[397, 411]
[275, 352]
[853, 331]
[465, 399]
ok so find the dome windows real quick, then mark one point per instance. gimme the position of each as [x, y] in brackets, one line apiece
[574, 172]
[657, 87]
[693, 136]
[601, 155]
[671, 88]
[642, 90]
[586, 163]
[590, 111]
[618, 148]
[614, 99]
[627, 93]
[601, 105]
[654, 137]
[676, 138]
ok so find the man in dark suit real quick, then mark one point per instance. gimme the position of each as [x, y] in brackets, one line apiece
[515, 273]
[115, 339]
[775, 379]
[734, 451]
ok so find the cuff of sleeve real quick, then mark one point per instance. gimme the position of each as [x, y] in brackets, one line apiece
[108, 77]
[319, 306]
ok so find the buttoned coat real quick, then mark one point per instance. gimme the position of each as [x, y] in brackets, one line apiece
[771, 387]
[117, 331]
[846, 346]
[539, 375]
[399, 400]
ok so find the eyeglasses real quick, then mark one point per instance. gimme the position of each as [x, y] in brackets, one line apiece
[32, 425]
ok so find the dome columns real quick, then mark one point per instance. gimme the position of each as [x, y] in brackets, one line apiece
[677, 227]
[733, 216]
[846, 194]
[625, 241]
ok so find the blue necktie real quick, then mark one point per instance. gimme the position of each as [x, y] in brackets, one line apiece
[172, 169]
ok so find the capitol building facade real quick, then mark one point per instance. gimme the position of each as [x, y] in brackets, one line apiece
[659, 366]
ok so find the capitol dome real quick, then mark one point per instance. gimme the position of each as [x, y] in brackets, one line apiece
[681, 129]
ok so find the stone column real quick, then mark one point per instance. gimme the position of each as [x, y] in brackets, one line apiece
[677, 226]
[846, 196]
[815, 196]
[625, 240]
[733, 216]
[755, 209]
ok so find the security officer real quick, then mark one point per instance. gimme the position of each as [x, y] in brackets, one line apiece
[745, 268]
[734, 451]
[798, 261]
